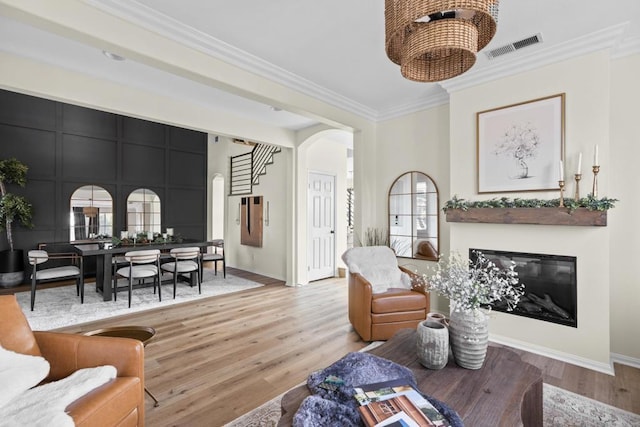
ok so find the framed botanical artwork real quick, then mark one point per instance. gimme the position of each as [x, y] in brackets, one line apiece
[520, 146]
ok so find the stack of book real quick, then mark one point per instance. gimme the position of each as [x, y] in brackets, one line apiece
[396, 404]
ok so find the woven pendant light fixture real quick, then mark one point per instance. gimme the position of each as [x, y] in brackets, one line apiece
[434, 40]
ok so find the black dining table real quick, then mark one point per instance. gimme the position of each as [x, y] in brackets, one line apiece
[104, 253]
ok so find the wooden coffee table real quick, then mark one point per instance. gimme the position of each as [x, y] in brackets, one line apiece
[505, 392]
[140, 333]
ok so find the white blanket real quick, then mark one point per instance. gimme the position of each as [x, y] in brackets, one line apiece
[18, 373]
[43, 406]
[377, 264]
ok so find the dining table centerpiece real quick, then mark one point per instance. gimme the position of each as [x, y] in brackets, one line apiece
[472, 285]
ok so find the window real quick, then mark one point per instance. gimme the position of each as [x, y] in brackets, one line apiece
[91, 213]
[413, 217]
[143, 211]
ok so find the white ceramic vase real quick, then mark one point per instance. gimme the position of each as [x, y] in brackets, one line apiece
[432, 344]
[469, 337]
[437, 317]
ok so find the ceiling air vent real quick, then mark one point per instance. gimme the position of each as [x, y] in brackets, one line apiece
[512, 47]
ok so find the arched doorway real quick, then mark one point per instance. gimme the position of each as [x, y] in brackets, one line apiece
[326, 154]
[217, 207]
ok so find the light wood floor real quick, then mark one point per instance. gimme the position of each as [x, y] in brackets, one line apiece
[215, 359]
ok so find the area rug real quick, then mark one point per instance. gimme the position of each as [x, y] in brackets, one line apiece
[561, 409]
[60, 307]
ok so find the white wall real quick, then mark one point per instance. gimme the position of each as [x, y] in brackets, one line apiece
[275, 187]
[624, 231]
[416, 142]
[585, 82]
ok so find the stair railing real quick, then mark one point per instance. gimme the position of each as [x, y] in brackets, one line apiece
[246, 168]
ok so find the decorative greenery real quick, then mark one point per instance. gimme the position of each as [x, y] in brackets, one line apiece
[12, 207]
[591, 203]
[143, 239]
[400, 246]
[374, 237]
[472, 284]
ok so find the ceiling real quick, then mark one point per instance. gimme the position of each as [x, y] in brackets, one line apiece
[330, 49]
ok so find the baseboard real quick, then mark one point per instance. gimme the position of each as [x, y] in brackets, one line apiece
[554, 354]
[625, 360]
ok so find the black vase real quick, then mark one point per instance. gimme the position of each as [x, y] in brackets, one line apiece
[11, 268]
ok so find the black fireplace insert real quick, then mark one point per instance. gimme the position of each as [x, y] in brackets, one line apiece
[550, 285]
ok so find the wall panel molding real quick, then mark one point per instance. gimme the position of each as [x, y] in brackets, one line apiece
[66, 146]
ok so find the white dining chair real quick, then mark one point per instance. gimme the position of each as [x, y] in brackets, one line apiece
[70, 271]
[142, 264]
[185, 260]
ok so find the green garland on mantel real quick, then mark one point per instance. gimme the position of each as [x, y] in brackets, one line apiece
[591, 203]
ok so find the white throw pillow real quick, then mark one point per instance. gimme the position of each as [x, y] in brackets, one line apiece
[19, 372]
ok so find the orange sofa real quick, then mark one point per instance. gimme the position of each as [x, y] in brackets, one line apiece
[120, 402]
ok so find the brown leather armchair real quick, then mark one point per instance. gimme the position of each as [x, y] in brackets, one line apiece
[120, 402]
[381, 300]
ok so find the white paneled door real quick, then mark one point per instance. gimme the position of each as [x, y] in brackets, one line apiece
[322, 219]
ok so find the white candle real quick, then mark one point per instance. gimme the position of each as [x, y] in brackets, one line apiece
[561, 171]
[595, 156]
[579, 164]
[170, 231]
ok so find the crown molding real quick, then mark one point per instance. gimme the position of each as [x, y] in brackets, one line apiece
[599, 40]
[627, 47]
[145, 17]
[431, 101]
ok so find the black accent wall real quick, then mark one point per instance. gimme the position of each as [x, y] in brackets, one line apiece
[66, 146]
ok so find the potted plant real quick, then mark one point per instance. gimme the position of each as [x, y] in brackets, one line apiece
[472, 284]
[12, 208]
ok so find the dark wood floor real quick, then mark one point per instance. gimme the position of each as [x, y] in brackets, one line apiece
[214, 359]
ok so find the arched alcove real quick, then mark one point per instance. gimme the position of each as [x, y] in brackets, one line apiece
[90, 213]
[144, 211]
[217, 207]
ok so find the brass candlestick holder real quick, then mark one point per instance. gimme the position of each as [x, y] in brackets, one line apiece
[578, 177]
[594, 190]
[561, 184]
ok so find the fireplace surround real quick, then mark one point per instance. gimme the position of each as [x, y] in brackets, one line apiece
[550, 285]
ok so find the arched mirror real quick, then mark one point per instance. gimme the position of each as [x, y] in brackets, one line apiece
[91, 213]
[413, 217]
[143, 211]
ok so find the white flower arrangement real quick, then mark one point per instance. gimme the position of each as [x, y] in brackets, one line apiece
[472, 284]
